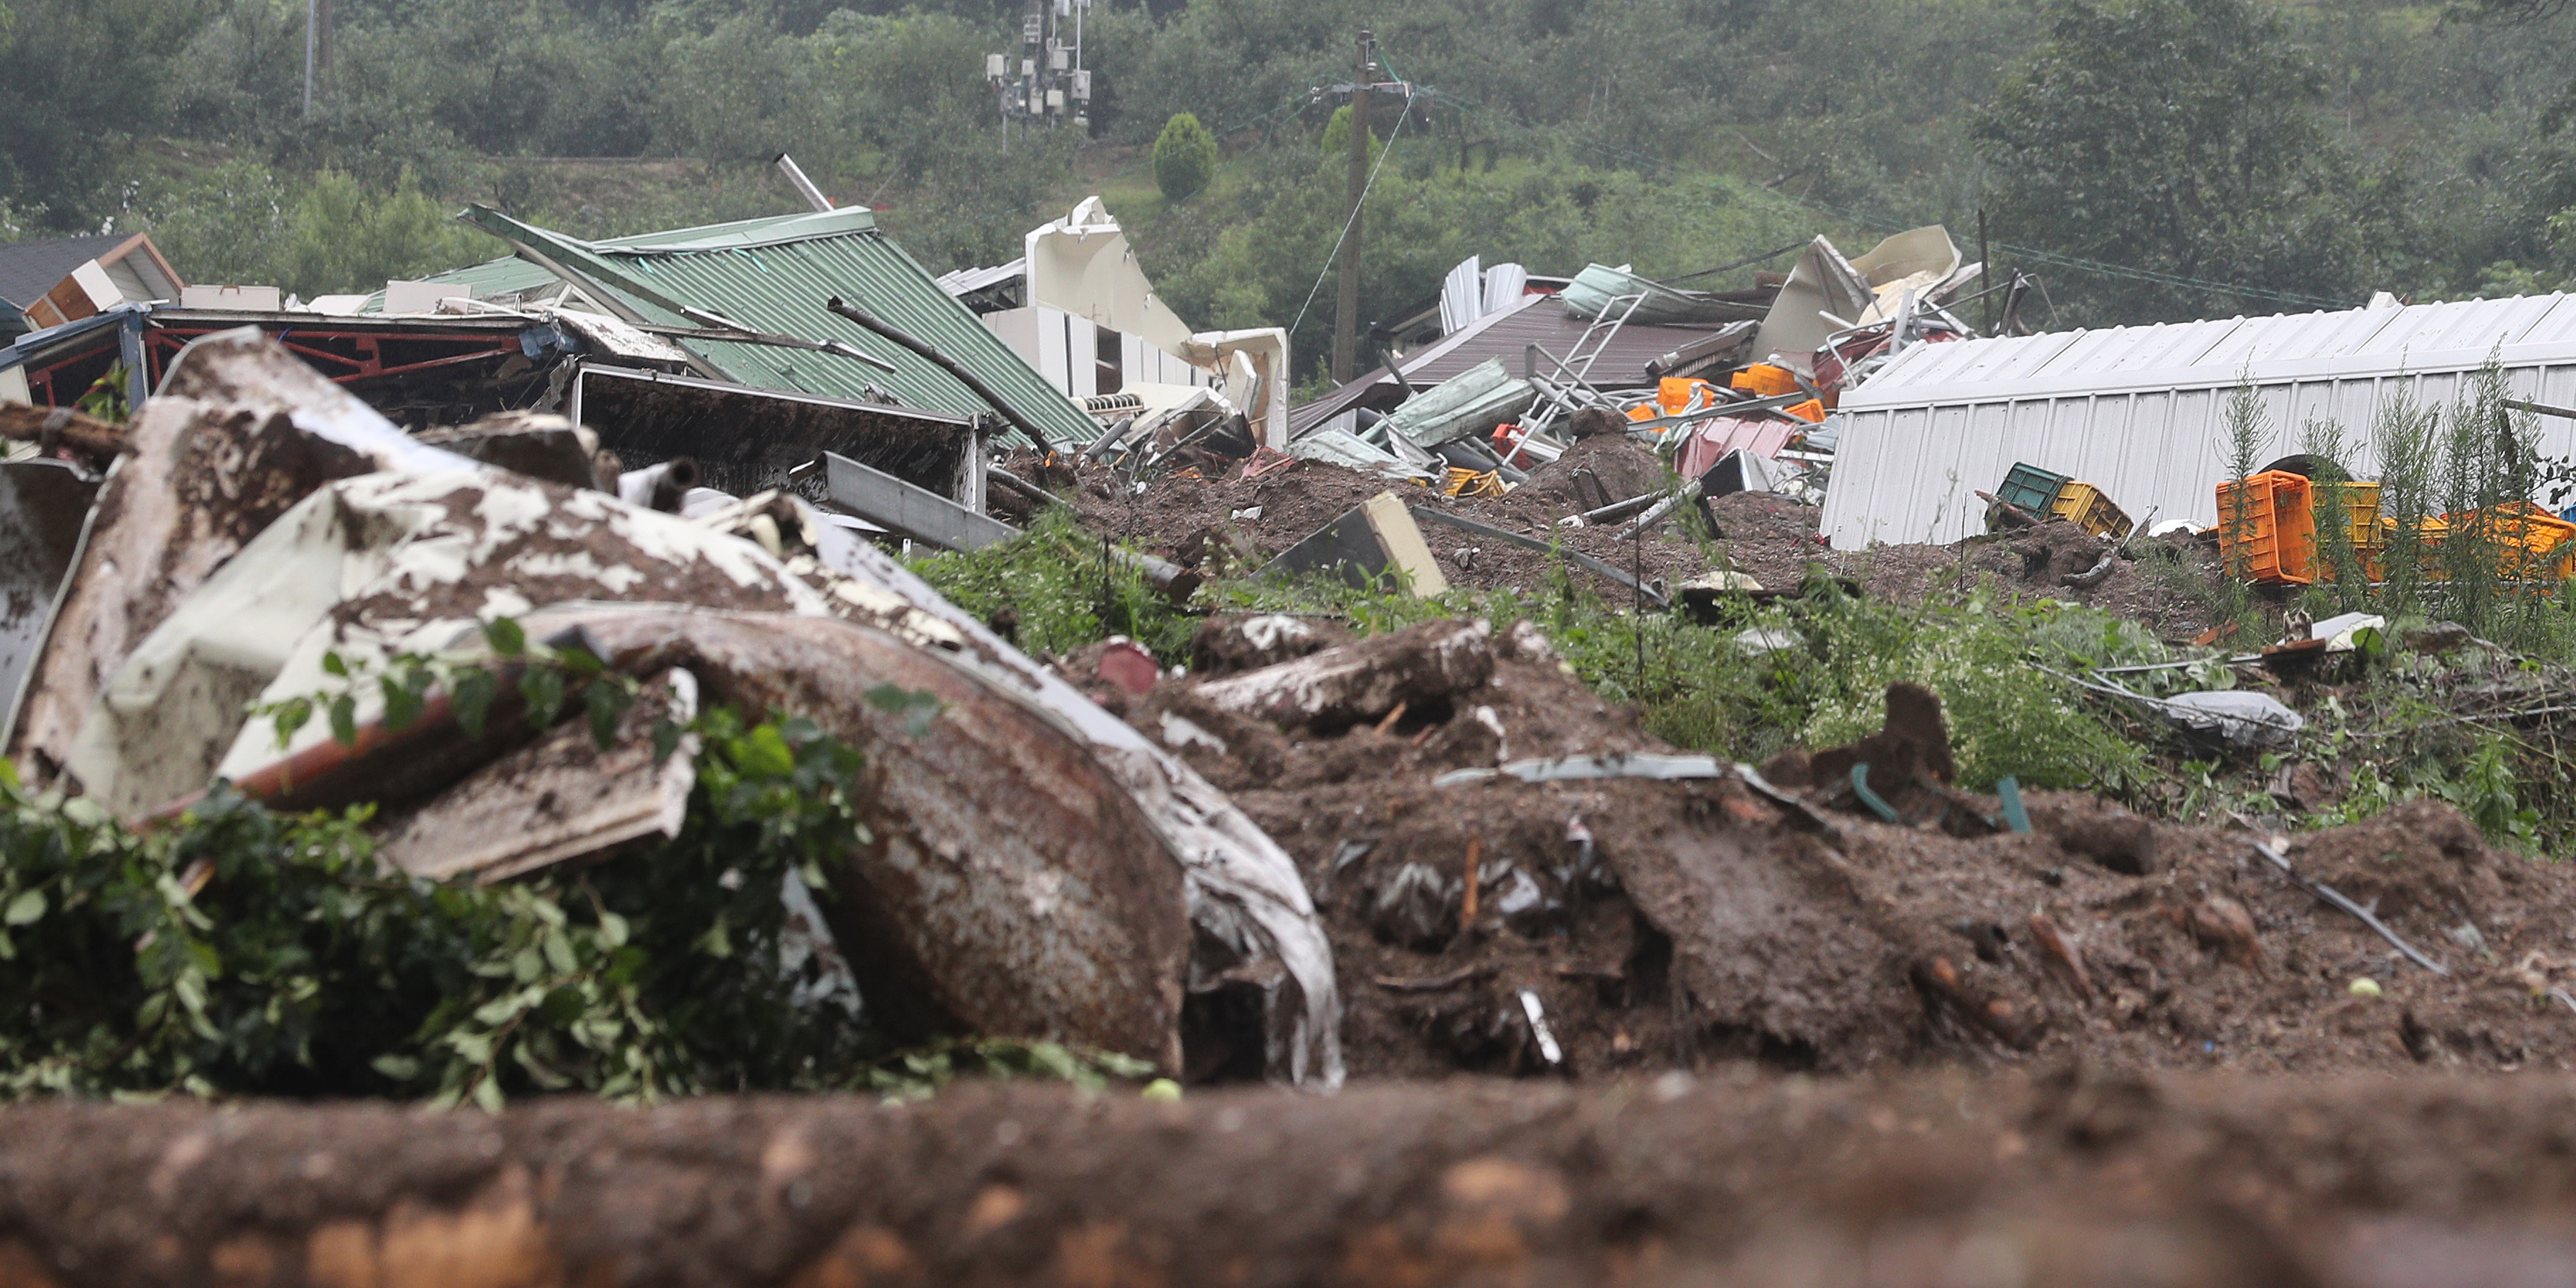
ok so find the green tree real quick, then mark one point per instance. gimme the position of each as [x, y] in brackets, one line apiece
[1336, 143]
[1184, 157]
[79, 79]
[2183, 138]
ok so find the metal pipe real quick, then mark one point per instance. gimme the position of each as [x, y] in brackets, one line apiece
[804, 187]
[945, 363]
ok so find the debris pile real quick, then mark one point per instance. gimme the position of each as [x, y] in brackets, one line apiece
[1031, 867]
[1600, 904]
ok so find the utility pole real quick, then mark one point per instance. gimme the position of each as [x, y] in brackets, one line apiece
[1346, 314]
[317, 48]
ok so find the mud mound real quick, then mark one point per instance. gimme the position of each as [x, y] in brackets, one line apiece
[1593, 473]
[1661, 924]
[1207, 523]
[1770, 537]
[2076, 1177]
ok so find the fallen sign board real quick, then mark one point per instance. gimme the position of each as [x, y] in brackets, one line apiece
[918, 513]
[1370, 539]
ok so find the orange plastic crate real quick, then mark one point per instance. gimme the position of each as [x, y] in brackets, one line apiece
[2531, 543]
[2266, 531]
[1762, 380]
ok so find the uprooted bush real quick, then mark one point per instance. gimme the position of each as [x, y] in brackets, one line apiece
[241, 951]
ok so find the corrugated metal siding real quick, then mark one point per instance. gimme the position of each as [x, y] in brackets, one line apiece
[782, 288]
[2140, 411]
[775, 275]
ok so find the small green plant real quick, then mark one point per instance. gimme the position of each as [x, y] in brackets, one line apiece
[1185, 158]
[106, 396]
[2345, 584]
[239, 951]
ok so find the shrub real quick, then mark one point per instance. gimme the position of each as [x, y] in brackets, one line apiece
[1184, 157]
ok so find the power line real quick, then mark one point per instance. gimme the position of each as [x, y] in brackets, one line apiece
[1383, 154]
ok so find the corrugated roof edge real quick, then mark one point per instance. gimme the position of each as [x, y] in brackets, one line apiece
[1938, 373]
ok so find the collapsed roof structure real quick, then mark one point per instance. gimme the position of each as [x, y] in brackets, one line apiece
[49, 281]
[1078, 307]
[727, 293]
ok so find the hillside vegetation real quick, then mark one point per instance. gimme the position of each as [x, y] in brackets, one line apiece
[2148, 159]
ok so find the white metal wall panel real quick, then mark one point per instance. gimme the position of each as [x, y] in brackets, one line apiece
[2141, 411]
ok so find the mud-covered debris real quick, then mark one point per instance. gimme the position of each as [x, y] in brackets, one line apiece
[2439, 637]
[2223, 924]
[538, 445]
[1417, 907]
[242, 432]
[2101, 831]
[1125, 663]
[1230, 644]
[1420, 668]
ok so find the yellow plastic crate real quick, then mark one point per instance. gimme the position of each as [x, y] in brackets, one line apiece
[2087, 508]
[2361, 510]
[2431, 534]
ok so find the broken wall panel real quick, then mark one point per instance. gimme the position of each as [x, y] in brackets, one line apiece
[746, 440]
[246, 432]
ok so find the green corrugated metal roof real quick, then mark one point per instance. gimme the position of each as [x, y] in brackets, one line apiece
[774, 275]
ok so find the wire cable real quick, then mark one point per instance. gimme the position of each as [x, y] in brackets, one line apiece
[1356, 206]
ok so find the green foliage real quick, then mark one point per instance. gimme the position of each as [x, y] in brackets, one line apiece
[1185, 158]
[240, 224]
[1699, 687]
[242, 952]
[1856, 113]
[2182, 137]
[1059, 582]
[1336, 142]
[2323, 442]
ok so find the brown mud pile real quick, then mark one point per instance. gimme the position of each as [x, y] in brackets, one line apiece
[2069, 1177]
[1698, 924]
[1211, 523]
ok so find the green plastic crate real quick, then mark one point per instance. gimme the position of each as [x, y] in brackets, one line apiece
[2033, 488]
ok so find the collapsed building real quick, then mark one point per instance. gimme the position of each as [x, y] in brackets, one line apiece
[690, 450]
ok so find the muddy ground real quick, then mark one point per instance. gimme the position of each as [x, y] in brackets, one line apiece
[1208, 520]
[2073, 1175]
[1702, 925]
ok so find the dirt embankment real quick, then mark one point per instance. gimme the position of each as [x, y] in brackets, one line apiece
[2069, 1177]
[1639, 926]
